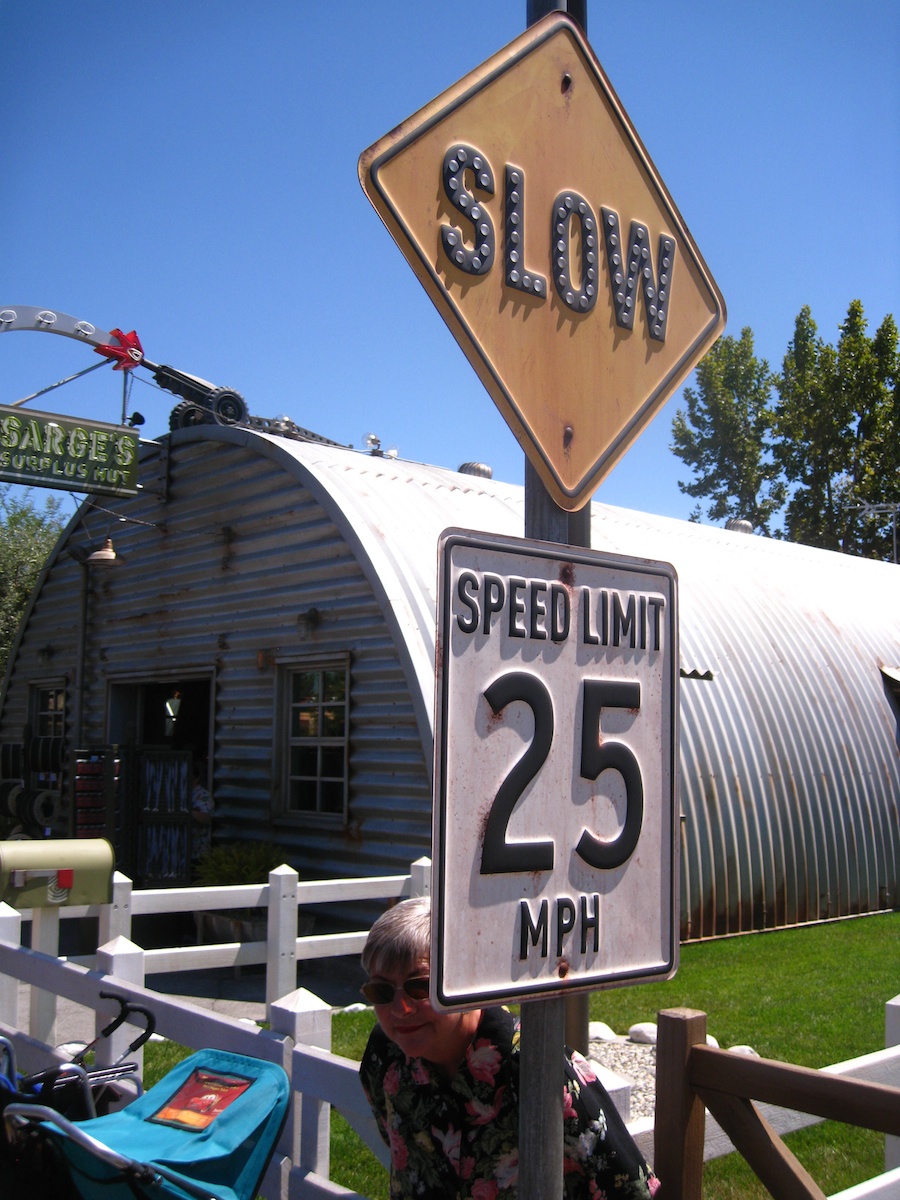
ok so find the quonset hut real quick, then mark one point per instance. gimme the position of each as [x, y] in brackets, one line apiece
[269, 615]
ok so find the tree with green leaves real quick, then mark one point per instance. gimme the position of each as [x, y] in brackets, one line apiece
[724, 433]
[823, 461]
[27, 535]
[836, 434]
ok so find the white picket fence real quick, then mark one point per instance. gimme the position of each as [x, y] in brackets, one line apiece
[280, 900]
[299, 1034]
[299, 1038]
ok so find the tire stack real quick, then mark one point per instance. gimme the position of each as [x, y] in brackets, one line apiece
[34, 809]
[38, 808]
[45, 754]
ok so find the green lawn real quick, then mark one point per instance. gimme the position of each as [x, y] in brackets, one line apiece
[810, 996]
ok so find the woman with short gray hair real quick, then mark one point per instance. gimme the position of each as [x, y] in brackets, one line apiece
[444, 1087]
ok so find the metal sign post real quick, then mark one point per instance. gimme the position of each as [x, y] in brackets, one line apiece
[543, 1022]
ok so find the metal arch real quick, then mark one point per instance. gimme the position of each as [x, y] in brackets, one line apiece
[46, 320]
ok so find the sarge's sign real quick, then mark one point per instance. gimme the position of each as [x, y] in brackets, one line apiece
[48, 450]
[555, 740]
[532, 214]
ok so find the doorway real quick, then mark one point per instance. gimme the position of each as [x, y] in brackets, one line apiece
[159, 728]
[173, 714]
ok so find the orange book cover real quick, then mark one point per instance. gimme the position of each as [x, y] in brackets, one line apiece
[200, 1099]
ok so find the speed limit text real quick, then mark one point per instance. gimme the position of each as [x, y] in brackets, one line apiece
[548, 610]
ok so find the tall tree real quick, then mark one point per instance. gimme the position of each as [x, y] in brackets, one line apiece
[813, 437]
[827, 453]
[27, 535]
[723, 434]
[836, 434]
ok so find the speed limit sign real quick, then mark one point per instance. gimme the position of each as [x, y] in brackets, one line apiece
[555, 773]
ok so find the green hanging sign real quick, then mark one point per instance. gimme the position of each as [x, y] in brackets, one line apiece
[66, 453]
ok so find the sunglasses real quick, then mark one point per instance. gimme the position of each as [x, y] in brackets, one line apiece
[377, 991]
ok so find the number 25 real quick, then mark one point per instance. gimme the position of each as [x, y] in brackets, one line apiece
[500, 857]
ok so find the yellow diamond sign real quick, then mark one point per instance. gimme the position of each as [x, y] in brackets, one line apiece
[533, 216]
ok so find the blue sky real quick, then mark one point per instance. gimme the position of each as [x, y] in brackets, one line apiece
[188, 169]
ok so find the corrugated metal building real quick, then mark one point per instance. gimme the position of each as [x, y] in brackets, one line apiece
[271, 611]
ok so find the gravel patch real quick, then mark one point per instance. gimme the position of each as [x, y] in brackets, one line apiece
[635, 1061]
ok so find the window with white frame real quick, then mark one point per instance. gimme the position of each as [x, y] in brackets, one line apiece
[316, 696]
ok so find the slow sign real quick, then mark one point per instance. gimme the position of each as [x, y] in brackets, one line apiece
[532, 214]
[554, 814]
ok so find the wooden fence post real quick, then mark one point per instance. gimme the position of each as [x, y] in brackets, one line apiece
[123, 960]
[10, 931]
[680, 1115]
[281, 931]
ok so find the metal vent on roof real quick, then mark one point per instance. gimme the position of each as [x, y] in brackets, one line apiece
[739, 525]
[476, 468]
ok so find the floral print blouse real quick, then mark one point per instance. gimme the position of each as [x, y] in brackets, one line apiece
[457, 1139]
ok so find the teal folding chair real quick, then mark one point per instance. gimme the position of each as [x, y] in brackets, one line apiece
[208, 1129]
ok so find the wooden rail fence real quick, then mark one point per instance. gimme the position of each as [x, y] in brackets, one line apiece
[692, 1077]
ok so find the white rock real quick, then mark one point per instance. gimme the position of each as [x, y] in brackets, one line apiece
[644, 1031]
[599, 1031]
[354, 1008]
[711, 1041]
[743, 1050]
[70, 1049]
